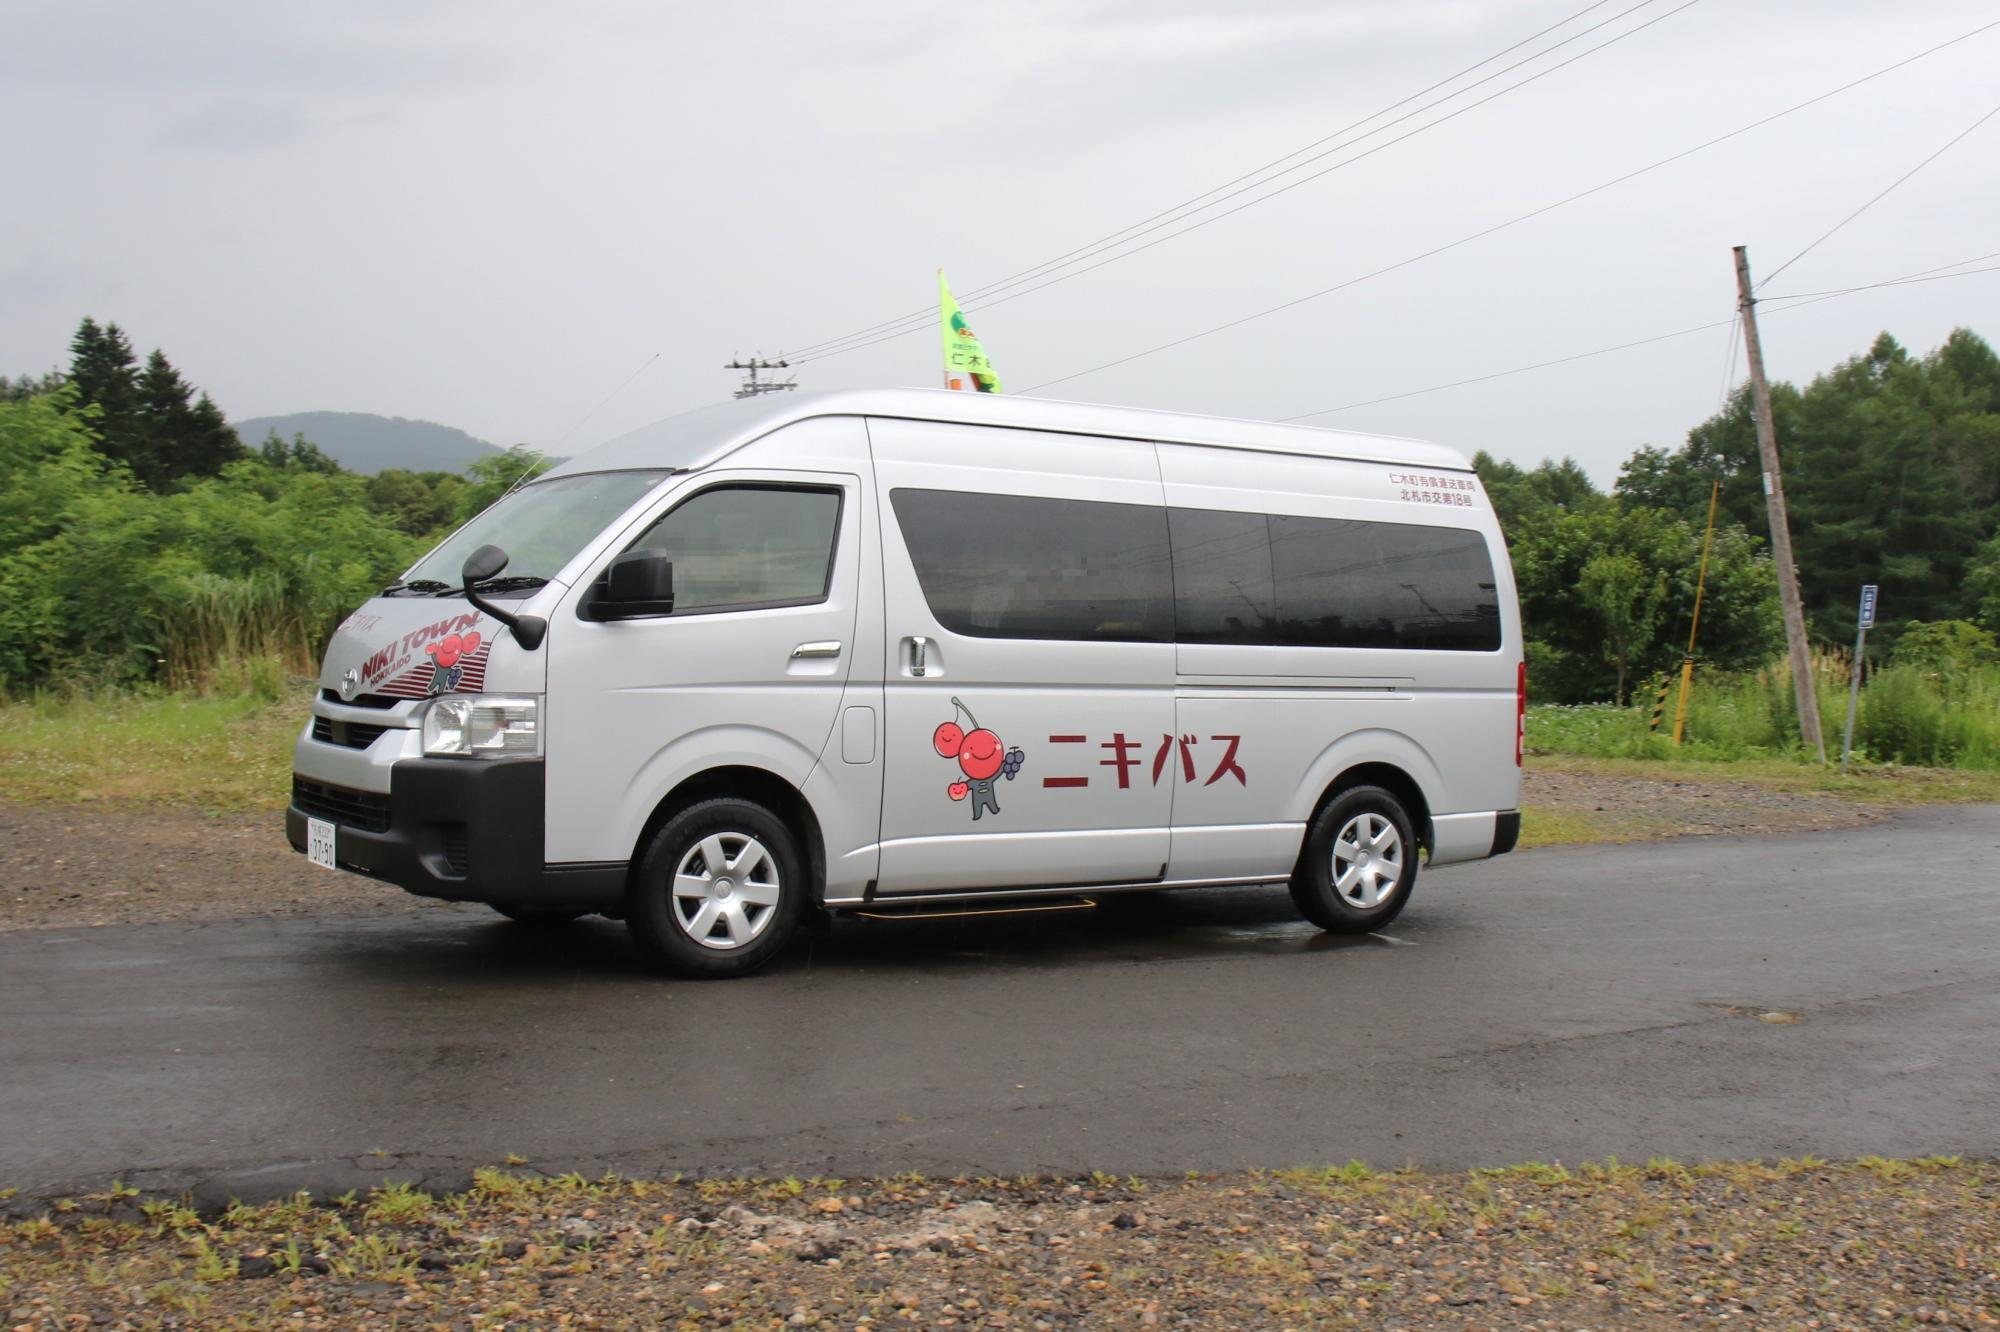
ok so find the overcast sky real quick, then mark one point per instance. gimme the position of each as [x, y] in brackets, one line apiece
[492, 214]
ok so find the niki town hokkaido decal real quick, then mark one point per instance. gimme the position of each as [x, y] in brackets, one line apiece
[979, 758]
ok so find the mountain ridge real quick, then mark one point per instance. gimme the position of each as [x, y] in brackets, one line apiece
[368, 442]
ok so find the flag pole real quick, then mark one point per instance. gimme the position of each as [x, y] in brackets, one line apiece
[944, 365]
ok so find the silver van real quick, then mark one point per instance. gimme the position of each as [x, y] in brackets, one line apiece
[880, 648]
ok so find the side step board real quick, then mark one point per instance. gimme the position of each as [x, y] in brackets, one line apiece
[945, 911]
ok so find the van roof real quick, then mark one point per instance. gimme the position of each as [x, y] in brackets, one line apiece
[702, 437]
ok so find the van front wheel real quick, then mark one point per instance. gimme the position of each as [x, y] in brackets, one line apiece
[1359, 863]
[719, 890]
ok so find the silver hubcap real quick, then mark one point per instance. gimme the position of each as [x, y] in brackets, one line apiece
[725, 890]
[1367, 861]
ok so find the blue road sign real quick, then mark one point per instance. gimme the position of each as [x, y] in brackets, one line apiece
[1868, 605]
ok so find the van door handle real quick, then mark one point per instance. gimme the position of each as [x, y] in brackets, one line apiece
[919, 648]
[830, 648]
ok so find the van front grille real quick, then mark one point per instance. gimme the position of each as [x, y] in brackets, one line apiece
[364, 810]
[361, 700]
[354, 735]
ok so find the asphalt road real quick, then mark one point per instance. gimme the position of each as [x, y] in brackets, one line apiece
[1562, 1004]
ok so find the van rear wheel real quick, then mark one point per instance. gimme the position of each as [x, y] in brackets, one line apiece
[719, 891]
[1359, 865]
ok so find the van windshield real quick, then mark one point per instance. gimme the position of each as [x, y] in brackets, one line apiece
[540, 526]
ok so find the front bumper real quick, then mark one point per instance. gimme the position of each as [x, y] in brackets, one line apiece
[467, 830]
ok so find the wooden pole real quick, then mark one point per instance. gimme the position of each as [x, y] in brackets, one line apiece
[1774, 503]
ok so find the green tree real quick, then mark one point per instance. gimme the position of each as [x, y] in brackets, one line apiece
[420, 503]
[488, 478]
[1523, 496]
[1571, 656]
[22, 388]
[152, 421]
[1892, 473]
[300, 455]
[1626, 599]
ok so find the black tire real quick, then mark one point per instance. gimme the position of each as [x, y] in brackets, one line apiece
[545, 916]
[1356, 810]
[661, 927]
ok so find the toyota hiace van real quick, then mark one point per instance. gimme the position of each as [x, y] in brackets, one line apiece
[867, 649]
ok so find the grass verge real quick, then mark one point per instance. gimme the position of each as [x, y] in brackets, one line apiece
[1803, 1244]
[215, 753]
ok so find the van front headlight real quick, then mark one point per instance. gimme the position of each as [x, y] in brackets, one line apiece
[482, 726]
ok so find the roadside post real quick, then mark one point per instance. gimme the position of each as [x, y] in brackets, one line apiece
[1866, 622]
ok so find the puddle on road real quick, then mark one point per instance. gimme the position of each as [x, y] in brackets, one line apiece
[1153, 928]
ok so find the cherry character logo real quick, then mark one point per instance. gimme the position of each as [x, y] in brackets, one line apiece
[448, 652]
[980, 758]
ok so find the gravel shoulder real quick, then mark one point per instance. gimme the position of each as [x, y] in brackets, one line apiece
[107, 864]
[1796, 1245]
[113, 862]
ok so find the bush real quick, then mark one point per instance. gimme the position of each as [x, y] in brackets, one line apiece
[1906, 715]
[106, 583]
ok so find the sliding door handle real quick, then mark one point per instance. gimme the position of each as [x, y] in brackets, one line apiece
[829, 648]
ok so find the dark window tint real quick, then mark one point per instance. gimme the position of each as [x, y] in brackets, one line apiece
[741, 546]
[1321, 582]
[1011, 566]
[1222, 577]
[1356, 584]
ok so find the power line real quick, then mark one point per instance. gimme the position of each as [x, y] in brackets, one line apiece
[1185, 204]
[1182, 212]
[1286, 188]
[1882, 195]
[1515, 221]
[1799, 301]
[541, 455]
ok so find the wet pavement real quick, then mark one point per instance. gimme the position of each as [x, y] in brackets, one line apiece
[1833, 993]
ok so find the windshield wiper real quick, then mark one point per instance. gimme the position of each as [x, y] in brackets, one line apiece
[515, 583]
[417, 587]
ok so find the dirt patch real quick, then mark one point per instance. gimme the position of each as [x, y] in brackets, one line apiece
[106, 865]
[1584, 805]
[1798, 1245]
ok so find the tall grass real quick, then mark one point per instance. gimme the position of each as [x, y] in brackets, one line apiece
[1907, 715]
[229, 634]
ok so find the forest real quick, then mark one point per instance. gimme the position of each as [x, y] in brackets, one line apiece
[143, 544]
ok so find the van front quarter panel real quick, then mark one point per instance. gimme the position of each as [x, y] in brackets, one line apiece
[726, 680]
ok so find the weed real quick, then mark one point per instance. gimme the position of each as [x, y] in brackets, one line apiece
[210, 1265]
[398, 1202]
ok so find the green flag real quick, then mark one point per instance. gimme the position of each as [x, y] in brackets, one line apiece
[963, 356]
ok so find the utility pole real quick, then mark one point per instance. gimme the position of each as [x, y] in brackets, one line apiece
[752, 386]
[1774, 504]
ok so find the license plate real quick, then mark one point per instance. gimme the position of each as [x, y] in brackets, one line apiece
[319, 843]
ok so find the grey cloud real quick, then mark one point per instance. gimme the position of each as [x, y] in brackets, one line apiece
[246, 45]
[237, 123]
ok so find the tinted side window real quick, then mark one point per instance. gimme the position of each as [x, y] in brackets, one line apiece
[1392, 585]
[739, 546]
[1222, 577]
[1012, 566]
[1322, 582]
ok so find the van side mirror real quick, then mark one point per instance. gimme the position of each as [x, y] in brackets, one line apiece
[482, 564]
[639, 582]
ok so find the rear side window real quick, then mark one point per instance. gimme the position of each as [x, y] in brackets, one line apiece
[739, 547]
[1014, 566]
[1325, 582]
